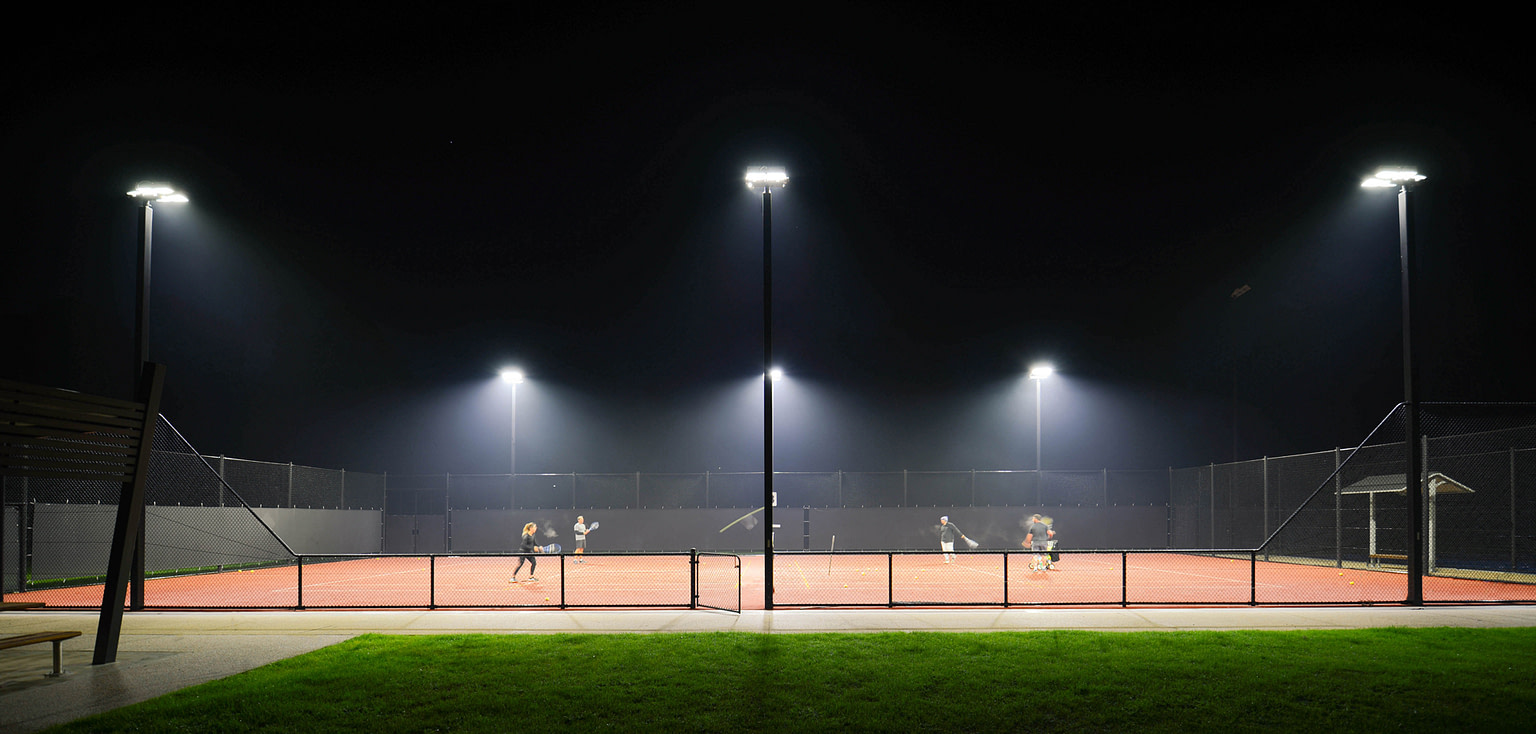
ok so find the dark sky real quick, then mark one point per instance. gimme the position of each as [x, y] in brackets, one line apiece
[388, 206]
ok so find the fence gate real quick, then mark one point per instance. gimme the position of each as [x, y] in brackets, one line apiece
[415, 521]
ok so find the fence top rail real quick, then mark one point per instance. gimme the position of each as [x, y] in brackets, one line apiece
[1021, 551]
[492, 554]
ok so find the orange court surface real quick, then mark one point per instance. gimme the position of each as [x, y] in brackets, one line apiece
[853, 579]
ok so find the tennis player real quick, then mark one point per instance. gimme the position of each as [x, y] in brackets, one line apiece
[581, 537]
[1038, 539]
[947, 533]
[528, 549]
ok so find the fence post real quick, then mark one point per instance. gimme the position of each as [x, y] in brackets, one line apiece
[343, 505]
[1124, 594]
[1005, 578]
[1253, 579]
[1264, 467]
[1338, 511]
[1513, 530]
[290, 484]
[693, 578]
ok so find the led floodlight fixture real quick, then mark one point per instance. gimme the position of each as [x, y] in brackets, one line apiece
[156, 192]
[766, 177]
[1389, 177]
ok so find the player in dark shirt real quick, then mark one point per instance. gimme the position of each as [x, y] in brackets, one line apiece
[528, 549]
[1037, 539]
[947, 533]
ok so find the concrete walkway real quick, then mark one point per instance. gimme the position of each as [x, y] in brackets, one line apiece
[161, 652]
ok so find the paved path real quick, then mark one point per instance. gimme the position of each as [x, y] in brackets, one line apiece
[161, 652]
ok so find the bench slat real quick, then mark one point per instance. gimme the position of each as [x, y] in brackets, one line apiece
[7, 643]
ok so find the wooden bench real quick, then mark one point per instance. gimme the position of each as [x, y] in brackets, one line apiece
[50, 433]
[12, 606]
[1377, 558]
[57, 638]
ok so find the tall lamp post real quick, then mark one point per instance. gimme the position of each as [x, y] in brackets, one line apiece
[1404, 180]
[764, 179]
[146, 194]
[1038, 373]
[514, 377]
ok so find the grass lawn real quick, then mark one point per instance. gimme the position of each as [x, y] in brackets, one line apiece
[1430, 680]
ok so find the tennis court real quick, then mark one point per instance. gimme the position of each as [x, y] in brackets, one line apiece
[1324, 528]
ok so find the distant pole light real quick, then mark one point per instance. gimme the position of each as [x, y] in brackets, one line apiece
[514, 377]
[1039, 373]
[776, 374]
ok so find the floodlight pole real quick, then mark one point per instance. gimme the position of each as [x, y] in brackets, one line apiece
[767, 178]
[513, 468]
[1037, 374]
[1413, 480]
[767, 397]
[1037, 427]
[140, 358]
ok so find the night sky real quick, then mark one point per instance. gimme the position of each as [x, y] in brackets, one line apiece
[388, 206]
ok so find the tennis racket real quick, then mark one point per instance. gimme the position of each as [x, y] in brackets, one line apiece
[552, 548]
[971, 543]
[591, 527]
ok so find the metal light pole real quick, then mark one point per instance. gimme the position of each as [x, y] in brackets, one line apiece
[1404, 180]
[514, 377]
[764, 179]
[147, 195]
[1038, 374]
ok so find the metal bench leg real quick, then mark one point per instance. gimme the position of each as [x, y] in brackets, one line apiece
[58, 659]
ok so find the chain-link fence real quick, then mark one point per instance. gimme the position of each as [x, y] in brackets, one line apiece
[1349, 508]
[194, 523]
[683, 490]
